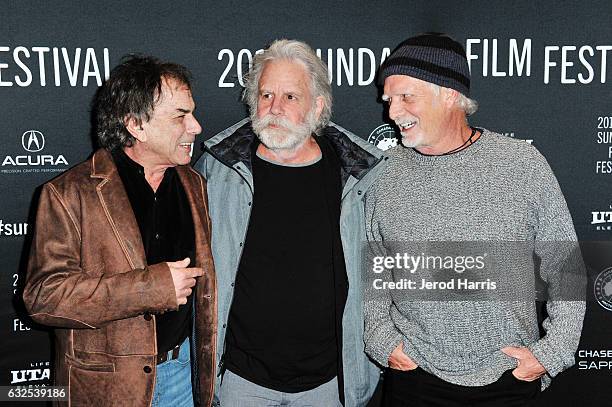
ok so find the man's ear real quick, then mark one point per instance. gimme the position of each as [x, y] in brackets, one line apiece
[450, 97]
[134, 127]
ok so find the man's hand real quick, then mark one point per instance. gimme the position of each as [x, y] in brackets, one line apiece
[183, 278]
[529, 368]
[398, 360]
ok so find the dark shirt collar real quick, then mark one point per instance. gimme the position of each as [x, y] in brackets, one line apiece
[131, 170]
[125, 163]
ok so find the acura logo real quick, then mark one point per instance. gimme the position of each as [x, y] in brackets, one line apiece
[33, 141]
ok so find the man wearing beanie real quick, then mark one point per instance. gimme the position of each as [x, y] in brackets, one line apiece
[454, 185]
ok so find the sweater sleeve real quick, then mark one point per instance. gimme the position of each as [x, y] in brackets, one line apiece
[562, 269]
[381, 336]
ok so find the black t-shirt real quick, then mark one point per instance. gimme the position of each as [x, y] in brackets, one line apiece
[166, 227]
[281, 327]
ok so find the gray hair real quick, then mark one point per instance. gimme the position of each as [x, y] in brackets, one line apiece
[300, 52]
[469, 106]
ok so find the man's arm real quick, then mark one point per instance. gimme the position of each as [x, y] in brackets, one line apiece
[562, 269]
[381, 337]
[59, 293]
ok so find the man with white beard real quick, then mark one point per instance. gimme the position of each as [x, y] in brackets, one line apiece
[286, 202]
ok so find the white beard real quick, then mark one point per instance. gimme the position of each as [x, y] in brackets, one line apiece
[412, 142]
[287, 136]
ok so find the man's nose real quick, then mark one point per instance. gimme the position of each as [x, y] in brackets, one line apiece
[193, 126]
[276, 106]
[394, 109]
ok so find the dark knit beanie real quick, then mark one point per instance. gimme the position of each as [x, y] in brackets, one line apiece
[431, 57]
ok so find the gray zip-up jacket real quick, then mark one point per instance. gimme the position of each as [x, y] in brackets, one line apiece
[226, 165]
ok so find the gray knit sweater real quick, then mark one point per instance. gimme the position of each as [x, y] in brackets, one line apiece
[498, 189]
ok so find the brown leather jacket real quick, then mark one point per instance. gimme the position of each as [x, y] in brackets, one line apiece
[88, 277]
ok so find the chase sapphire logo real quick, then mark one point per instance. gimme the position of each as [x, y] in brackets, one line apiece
[33, 141]
[384, 137]
[603, 288]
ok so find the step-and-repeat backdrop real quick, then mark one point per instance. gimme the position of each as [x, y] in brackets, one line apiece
[541, 71]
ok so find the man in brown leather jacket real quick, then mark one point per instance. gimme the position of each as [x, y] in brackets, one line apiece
[120, 262]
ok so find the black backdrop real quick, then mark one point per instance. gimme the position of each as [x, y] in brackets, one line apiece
[541, 71]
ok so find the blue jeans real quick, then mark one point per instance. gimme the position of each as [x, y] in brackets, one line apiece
[173, 381]
[238, 392]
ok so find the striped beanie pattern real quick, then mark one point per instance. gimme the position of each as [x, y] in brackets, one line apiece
[431, 57]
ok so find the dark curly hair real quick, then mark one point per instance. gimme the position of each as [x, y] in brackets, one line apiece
[132, 90]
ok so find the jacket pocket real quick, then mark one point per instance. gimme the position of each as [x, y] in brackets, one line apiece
[89, 365]
[92, 384]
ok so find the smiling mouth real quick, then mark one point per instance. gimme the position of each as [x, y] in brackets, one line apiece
[405, 126]
[186, 146]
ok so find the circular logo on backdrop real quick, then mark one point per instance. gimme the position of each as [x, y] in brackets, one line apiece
[603, 288]
[32, 141]
[384, 137]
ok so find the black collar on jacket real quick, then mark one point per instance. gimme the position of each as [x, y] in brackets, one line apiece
[239, 147]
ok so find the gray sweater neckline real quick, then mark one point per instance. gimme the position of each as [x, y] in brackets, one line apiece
[470, 151]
